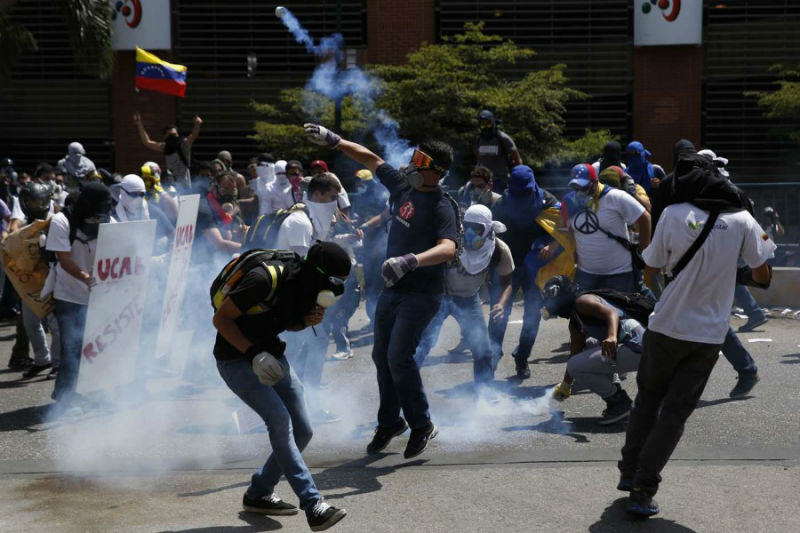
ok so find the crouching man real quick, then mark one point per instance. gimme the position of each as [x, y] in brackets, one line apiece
[257, 296]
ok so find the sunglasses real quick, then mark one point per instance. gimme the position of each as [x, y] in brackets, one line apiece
[334, 280]
[136, 194]
[422, 161]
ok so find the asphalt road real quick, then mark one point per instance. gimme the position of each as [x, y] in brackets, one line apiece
[173, 459]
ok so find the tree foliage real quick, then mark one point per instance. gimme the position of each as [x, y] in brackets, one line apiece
[439, 92]
[783, 103]
[88, 24]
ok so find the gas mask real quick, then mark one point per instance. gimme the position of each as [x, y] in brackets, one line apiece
[330, 295]
[413, 173]
[558, 298]
[474, 235]
[91, 225]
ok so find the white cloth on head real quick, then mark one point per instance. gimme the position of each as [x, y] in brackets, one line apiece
[321, 214]
[129, 205]
[296, 233]
[696, 306]
[266, 175]
[720, 161]
[475, 261]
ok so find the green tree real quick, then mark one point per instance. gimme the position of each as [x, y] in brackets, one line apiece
[783, 103]
[439, 92]
[88, 25]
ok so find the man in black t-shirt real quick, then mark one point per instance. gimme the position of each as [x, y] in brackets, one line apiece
[422, 238]
[274, 295]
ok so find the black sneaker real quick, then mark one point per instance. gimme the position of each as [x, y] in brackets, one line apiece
[419, 439]
[523, 370]
[20, 362]
[745, 384]
[35, 370]
[270, 505]
[625, 484]
[642, 505]
[619, 407]
[322, 516]
[751, 324]
[383, 436]
[53, 373]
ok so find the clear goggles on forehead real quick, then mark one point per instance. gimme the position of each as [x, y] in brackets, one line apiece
[422, 161]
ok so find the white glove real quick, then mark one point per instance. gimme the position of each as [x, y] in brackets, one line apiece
[321, 135]
[267, 368]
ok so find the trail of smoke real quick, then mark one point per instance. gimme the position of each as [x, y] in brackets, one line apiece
[331, 81]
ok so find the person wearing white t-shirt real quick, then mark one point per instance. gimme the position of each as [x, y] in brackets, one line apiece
[685, 334]
[276, 193]
[73, 238]
[591, 211]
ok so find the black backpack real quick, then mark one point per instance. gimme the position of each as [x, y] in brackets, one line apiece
[263, 233]
[273, 262]
[635, 305]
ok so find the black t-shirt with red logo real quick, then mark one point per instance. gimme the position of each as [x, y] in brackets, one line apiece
[419, 219]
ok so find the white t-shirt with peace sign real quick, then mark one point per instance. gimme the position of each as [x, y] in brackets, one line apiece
[597, 252]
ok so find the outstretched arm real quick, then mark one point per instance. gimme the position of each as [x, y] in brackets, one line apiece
[192, 137]
[324, 137]
[146, 140]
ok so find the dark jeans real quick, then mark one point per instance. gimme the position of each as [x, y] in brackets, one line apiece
[737, 355]
[71, 320]
[531, 316]
[400, 319]
[284, 412]
[468, 312]
[751, 308]
[671, 378]
[341, 312]
[624, 282]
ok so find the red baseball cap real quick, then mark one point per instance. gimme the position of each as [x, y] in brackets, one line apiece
[319, 163]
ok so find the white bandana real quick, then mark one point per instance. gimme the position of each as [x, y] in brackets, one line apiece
[475, 261]
[321, 217]
[131, 207]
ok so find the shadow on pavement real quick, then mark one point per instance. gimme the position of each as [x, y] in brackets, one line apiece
[552, 360]
[555, 425]
[256, 522]
[23, 418]
[614, 518]
[358, 476]
[795, 361]
[448, 358]
[718, 401]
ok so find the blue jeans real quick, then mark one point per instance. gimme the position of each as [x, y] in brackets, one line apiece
[400, 319]
[623, 282]
[71, 318]
[737, 355]
[530, 318]
[284, 412]
[469, 315]
[751, 308]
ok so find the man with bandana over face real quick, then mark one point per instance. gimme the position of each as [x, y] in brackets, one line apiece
[540, 251]
[639, 168]
[422, 238]
[75, 165]
[176, 150]
[217, 220]
[483, 253]
[277, 294]
[478, 190]
[495, 150]
[73, 238]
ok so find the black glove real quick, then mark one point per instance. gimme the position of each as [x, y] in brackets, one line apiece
[744, 276]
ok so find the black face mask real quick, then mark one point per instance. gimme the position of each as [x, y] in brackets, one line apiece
[91, 226]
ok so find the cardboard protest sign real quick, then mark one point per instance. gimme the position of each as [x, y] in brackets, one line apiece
[178, 271]
[114, 317]
[26, 267]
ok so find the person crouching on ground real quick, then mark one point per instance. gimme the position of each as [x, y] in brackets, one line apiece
[278, 291]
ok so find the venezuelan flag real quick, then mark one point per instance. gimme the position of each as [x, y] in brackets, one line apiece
[155, 74]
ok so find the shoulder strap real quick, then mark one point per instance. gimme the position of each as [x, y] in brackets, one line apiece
[698, 242]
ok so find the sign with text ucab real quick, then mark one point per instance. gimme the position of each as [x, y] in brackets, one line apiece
[116, 304]
[178, 271]
[667, 22]
[143, 23]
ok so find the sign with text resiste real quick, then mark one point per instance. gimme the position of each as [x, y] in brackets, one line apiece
[178, 271]
[667, 22]
[143, 23]
[116, 305]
